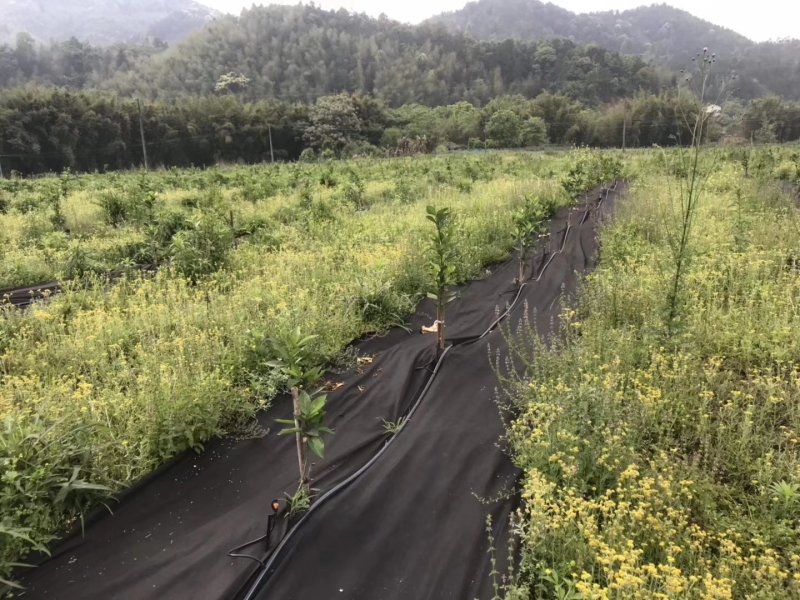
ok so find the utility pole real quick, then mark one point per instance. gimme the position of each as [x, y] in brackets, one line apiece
[1, 169]
[271, 153]
[624, 127]
[141, 133]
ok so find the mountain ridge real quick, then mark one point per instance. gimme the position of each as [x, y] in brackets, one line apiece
[640, 31]
[103, 22]
[658, 33]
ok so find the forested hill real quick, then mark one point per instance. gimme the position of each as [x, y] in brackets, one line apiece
[657, 33]
[102, 22]
[298, 53]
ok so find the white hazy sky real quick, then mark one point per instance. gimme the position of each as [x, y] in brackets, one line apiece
[757, 19]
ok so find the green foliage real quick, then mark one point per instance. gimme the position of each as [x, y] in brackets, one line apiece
[503, 129]
[353, 191]
[310, 422]
[693, 173]
[397, 63]
[528, 223]
[203, 247]
[334, 123]
[15, 535]
[295, 358]
[589, 170]
[231, 83]
[533, 132]
[392, 427]
[118, 376]
[660, 32]
[308, 155]
[652, 467]
[770, 120]
[34, 471]
[442, 254]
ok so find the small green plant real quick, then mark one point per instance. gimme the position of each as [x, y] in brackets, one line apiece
[354, 191]
[294, 361]
[308, 427]
[115, 207]
[392, 427]
[57, 193]
[590, 169]
[203, 247]
[528, 222]
[442, 263]
[786, 495]
[21, 534]
[299, 502]
[553, 585]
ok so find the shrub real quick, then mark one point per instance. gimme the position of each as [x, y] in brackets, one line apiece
[308, 155]
[203, 247]
[533, 132]
[503, 129]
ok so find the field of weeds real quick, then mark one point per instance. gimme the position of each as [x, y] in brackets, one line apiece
[104, 382]
[660, 436]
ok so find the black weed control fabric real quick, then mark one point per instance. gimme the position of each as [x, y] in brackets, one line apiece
[402, 517]
[22, 297]
[413, 525]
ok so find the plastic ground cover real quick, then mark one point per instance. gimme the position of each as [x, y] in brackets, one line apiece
[401, 516]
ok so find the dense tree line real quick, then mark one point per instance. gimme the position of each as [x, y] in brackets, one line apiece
[658, 31]
[71, 63]
[661, 34]
[299, 53]
[50, 129]
[53, 129]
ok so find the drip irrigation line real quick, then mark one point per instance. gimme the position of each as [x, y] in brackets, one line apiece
[513, 303]
[237, 551]
[268, 564]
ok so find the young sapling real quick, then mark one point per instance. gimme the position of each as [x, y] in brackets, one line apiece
[442, 257]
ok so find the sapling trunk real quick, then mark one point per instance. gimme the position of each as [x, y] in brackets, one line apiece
[301, 446]
[440, 315]
[442, 264]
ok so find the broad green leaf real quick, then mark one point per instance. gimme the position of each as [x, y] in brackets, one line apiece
[317, 446]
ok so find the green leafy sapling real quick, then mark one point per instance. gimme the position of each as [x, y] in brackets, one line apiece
[57, 194]
[528, 222]
[295, 362]
[442, 258]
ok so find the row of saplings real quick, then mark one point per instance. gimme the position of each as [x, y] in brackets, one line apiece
[293, 352]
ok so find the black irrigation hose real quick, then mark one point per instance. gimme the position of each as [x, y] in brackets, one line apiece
[269, 563]
[513, 303]
[237, 552]
[343, 484]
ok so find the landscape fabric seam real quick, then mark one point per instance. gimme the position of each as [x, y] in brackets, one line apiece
[263, 576]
